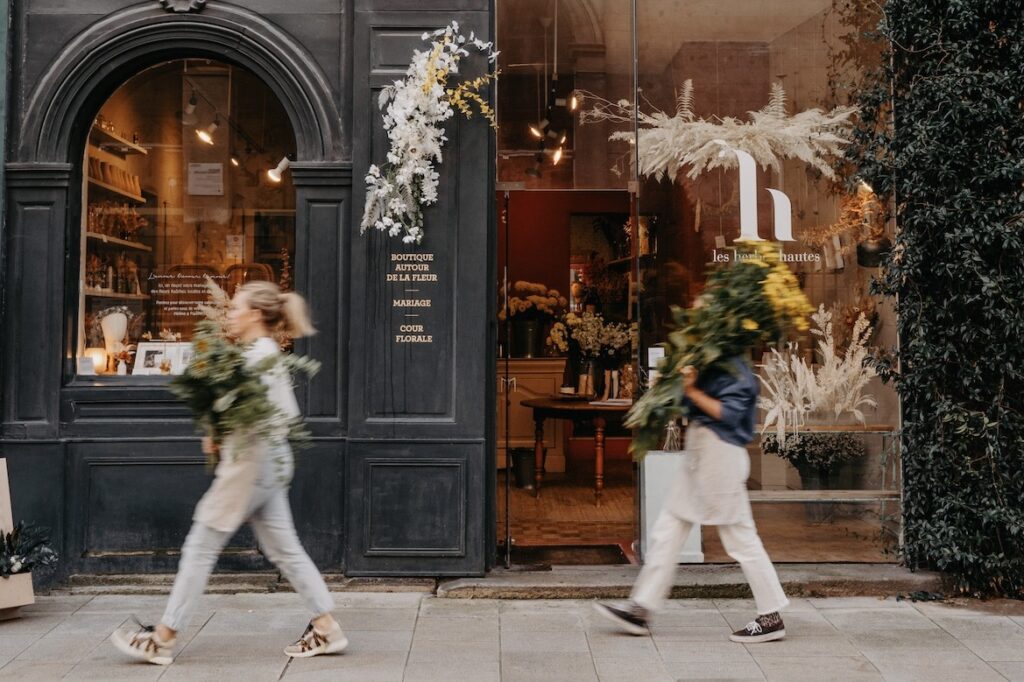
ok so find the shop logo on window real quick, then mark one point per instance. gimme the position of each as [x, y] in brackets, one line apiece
[748, 200]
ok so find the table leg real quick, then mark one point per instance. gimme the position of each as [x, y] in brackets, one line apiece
[538, 454]
[599, 424]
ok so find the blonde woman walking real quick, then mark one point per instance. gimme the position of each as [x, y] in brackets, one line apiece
[710, 489]
[250, 484]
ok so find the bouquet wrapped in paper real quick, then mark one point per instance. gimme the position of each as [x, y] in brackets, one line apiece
[226, 394]
[753, 299]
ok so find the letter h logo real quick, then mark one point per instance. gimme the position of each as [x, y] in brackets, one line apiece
[748, 200]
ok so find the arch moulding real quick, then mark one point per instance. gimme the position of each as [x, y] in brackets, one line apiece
[120, 45]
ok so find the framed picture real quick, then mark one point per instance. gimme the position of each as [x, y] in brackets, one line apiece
[179, 354]
[149, 358]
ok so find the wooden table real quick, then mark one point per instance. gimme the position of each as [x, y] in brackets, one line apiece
[553, 408]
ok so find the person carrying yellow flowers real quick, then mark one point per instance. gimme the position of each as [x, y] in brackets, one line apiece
[707, 378]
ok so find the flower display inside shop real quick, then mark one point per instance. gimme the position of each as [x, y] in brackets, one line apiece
[667, 144]
[795, 391]
[594, 339]
[752, 299]
[533, 300]
[415, 110]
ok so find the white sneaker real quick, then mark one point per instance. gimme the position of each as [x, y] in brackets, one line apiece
[142, 644]
[313, 642]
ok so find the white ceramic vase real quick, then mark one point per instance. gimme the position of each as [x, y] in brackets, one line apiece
[115, 327]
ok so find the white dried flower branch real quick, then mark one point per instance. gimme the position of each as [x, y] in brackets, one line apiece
[668, 143]
[415, 110]
[795, 391]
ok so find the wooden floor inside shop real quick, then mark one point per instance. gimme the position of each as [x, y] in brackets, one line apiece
[564, 526]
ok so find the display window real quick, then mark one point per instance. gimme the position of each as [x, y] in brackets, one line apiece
[652, 104]
[184, 179]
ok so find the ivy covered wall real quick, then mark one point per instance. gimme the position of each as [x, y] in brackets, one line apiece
[943, 137]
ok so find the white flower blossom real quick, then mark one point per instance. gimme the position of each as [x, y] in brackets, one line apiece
[416, 108]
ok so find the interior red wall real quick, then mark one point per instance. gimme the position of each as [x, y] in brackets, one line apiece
[539, 231]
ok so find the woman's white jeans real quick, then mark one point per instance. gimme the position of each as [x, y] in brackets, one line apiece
[696, 494]
[271, 521]
[741, 543]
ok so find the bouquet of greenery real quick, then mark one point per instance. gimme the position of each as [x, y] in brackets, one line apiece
[224, 393]
[753, 299]
[23, 549]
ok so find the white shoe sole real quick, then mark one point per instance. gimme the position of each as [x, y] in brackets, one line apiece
[334, 647]
[758, 639]
[134, 653]
[624, 625]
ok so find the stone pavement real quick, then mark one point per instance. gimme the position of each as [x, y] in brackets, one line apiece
[416, 636]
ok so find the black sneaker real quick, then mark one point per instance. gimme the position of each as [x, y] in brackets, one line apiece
[629, 616]
[762, 629]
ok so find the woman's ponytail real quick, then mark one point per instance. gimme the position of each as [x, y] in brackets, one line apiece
[284, 312]
[295, 316]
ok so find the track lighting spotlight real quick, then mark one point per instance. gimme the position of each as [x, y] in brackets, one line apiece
[557, 156]
[188, 115]
[539, 129]
[275, 174]
[206, 134]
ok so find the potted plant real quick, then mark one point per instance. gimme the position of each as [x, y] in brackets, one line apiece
[22, 549]
[532, 307]
[797, 393]
[817, 457]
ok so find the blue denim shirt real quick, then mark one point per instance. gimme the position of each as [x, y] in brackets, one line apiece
[737, 391]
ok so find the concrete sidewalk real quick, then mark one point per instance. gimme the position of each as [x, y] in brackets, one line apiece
[416, 636]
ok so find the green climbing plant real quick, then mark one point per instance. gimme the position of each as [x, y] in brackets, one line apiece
[942, 136]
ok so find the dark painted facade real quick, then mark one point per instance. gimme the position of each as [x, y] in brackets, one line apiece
[400, 479]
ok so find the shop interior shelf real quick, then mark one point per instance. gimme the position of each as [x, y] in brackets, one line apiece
[98, 293]
[114, 143]
[644, 258]
[116, 241]
[116, 190]
[848, 496]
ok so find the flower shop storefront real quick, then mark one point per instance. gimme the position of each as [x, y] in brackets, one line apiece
[610, 214]
[155, 144]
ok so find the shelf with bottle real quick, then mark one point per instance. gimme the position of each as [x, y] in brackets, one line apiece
[113, 276]
[117, 242]
[104, 136]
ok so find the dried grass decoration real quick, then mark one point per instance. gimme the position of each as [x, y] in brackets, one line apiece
[753, 299]
[667, 143]
[224, 393]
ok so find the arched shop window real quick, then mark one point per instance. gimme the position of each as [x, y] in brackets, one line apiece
[185, 176]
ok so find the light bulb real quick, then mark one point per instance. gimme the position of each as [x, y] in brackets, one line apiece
[234, 161]
[206, 134]
[275, 173]
[557, 157]
[538, 130]
[574, 103]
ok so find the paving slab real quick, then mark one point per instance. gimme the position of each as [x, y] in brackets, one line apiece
[417, 637]
[648, 669]
[800, 669]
